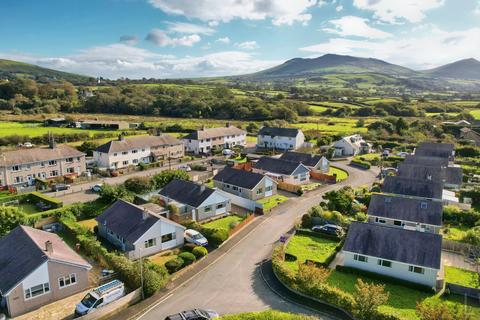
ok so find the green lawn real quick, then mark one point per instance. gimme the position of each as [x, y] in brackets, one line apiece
[28, 208]
[265, 315]
[161, 258]
[475, 113]
[272, 201]
[462, 277]
[251, 139]
[402, 300]
[223, 223]
[37, 129]
[368, 156]
[310, 186]
[309, 247]
[341, 174]
[455, 233]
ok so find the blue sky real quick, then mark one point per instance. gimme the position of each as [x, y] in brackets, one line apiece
[190, 38]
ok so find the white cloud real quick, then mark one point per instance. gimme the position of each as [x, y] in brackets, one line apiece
[120, 60]
[321, 3]
[279, 11]
[355, 26]
[224, 40]
[128, 39]
[190, 28]
[339, 8]
[392, 11]
[477, 9]
[247, 45]
[430, 49]
[162, 39]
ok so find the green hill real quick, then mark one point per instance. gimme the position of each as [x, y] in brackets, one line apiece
[468, 69]
[9, 68]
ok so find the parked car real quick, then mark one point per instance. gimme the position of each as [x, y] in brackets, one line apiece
[185, 168]
[100, 297]
[331, 229]
[195, 237]
[228, 152]
[60, 187]
[97, 187]
[195, 314]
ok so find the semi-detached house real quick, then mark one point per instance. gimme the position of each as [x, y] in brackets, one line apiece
[280, 138]
[21, 167]
[126, 152]
[207, 140]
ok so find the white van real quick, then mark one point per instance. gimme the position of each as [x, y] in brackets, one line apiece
[100, 297]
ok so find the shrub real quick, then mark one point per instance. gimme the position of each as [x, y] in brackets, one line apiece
[189, 247]
[152, 282]
[360, 163]
[10, 217]
[200, 252]
[54, 202]
[138, 185]
[187, 257]
[216, 237]
[173, 265]
[160, 180]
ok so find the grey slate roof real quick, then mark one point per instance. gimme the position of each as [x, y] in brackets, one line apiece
[307, 159]
[279, 132]
[406, 209]
[411, 247]
[277, 165]
[451, 175]
[138, 143]
[32, 155]
[430, 149]
[23, 250]
[240, 178]
[429, 161]
[411, 187]
[186, 192]
[210, 133]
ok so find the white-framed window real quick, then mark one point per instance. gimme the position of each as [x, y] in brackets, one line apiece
[268, 188]
[18, 179]
[134, 151]
[16, 168]
[143, 150]
[169, 237]
[379, 220]
[52, 162]
[384, 263]
[398, 223]
[359, 257]
[69, 160]
[66, 281]
[54, 173]
[235, 188]
[115, 154]
[220, 205]
[135, 161]
[42, 164]
[416, 269]
[125, 162]
[37, 290]
[423, 205]
[125, 152]
[70, 170]
[150, 243]
[208, 209]
[260, 190]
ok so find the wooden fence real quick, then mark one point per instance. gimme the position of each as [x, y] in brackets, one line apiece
[242, 224]
[288, 187]
[323, 177]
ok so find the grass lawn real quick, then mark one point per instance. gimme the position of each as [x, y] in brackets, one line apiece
[455, 233]
[462, 277]
[161, 259]
[28, 208]
[368, 156]
[265, 315]
[90, 223]
[251, 139]
[4, 194]
[402, 300]
[272, 201]
[341, 174]
[37, 129]
[475, 113]
[223, 223]
[308, 247]
[310, 186]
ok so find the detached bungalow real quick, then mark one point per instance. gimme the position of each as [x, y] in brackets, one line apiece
[195, 202]
[38, 268]
[409, 255]
[470, 135]
[351, 146]
[431, 149]
[427, 161]
[280, 138]
[413, 188]
[450, 176]
[283, 170]
[138, 231]
[311, 161]
[407, 213]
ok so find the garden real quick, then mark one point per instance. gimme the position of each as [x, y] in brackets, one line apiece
[341, 174]
[462, 277]
[226, 223]
[271, 202]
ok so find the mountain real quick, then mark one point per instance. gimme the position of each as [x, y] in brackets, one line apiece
[14, 68]
[332, 64]
[467, 69]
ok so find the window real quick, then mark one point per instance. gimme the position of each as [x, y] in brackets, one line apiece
[52, 162]
[143, 150]
[269, 188]
[135, 161]
[220, 206]
[423, 205]
[208, 209]
[18, 179]
[70, 170]
[259, 191]
[416, 269]
[53, 173]
[150, 243]
[66, 281]
[388, 199]
[125, 152]
[115, 154]
[16, 167]
[398, 223]
[378, 220]
[37, 290]
[235, 188]
[42, 164]
[69, 160]
[125, 162]
[360, 258]
[384, 263]
[168, 237]
[134, 151]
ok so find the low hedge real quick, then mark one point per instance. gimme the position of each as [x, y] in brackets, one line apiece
[174, 264]
[384, 278]
[360, 163]
[187, 257]
[56, 203]
[215, 237]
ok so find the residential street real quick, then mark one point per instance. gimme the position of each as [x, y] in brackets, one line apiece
[233, 282]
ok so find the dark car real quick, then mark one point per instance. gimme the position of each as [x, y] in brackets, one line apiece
[330, 229]
[195, 314]
[60, 187]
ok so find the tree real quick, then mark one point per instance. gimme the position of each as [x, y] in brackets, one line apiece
[138, 185]
[10, 217]
[368, 297]
[160, 180]
[88, 147]
[401, 125]
[340, 200]
[111, 193]
[360, 123]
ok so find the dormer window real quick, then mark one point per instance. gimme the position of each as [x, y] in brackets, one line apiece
[423, 205]
[388, 199]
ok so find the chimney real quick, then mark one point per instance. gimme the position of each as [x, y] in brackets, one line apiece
[228, 125]
[145, 214]
[51, 142]
[202, 188]
[121, 137]
[158, 132]
[48, 246]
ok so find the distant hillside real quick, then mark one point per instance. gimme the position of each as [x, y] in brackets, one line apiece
[331, 64]
[468, 69]
[14, 68]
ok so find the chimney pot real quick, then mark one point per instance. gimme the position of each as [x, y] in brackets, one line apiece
[49, 246]
[145, 214]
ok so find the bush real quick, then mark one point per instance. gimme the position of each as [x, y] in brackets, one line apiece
[200, 252]
[138, 185]
[215, 237]
[173, 265]
[54, 202]
[189, 247]
[160, 180]
[187, 257]
[360, 163]
[455, 215]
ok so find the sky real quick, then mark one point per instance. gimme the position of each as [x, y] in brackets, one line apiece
[203, 38]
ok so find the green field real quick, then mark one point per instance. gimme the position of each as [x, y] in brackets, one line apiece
[332, 125]
[475, 113]
[309, 247]
[223, 223]
[462, 277]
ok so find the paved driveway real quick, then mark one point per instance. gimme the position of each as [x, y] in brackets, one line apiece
[233, 282]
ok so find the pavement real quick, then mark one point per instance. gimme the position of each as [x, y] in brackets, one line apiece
[229, 279]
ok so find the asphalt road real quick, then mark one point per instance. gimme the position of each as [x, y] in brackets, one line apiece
[233, 283]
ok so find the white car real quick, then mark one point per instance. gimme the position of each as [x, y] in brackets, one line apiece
[100, 297]
[97, 188]
[185, 168]
[228, 152]
[195, 237]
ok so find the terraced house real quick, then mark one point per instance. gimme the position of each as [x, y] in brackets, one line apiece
[207, 140]
[280, 138]
[125, 152]
[21, 167]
